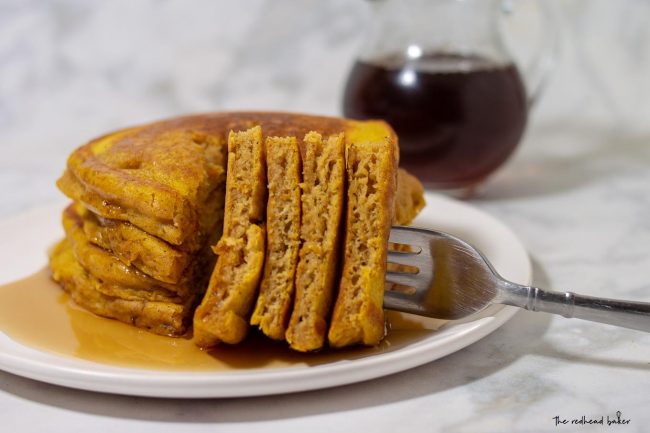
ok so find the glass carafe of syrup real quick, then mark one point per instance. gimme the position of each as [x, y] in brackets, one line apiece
[439, 73]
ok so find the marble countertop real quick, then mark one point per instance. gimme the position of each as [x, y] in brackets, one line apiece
[577, 193]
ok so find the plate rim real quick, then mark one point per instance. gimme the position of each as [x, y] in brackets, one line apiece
[86, 375]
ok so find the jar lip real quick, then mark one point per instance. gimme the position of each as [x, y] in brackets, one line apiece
[437, 61]
[408, 29]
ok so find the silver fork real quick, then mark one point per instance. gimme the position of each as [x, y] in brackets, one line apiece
[446, 278]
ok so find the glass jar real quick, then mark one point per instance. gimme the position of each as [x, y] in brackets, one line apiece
[439, 73]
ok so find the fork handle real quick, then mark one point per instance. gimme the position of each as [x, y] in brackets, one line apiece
[627, 314]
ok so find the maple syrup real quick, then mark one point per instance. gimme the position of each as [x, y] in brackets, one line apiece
[458, 117]
[35, 312]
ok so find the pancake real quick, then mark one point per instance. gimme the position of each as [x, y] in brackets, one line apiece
[275, 298]
[323, 163]
[164, 318]
[163, 182]
[224, 312]
[358, 316]
[160, 176]
[137, 248]
[409, 198]
[102, 265]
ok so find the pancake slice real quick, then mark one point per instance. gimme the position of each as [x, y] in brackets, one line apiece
[274, 302]
[322, 208]
[224, 312]
[358, 315]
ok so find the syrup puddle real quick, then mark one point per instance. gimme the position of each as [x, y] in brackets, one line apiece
[35, 312]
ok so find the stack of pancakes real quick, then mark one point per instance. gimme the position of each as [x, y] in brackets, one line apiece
[297, 209]
[147, 205]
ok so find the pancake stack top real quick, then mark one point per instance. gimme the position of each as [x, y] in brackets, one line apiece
[297, 209]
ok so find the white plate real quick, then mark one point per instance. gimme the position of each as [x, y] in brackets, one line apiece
[26, 237]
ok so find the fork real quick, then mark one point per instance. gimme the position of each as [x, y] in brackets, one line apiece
[446, 278]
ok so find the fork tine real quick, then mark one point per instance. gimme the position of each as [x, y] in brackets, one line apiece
[401, 258]
[404, 303]
[409, 236]
[404, 279]
[453, 278]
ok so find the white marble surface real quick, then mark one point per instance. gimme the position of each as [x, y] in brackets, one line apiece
[577, 193]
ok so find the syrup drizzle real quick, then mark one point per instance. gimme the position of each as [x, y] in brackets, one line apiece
[35, 312]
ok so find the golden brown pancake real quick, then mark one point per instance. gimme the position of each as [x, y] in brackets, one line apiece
[113, 272]
[164, 182]
[275, 298]
[323, 161]
[409, 198]
[358, 315]
[161, 176]
[165, 318]
[137, 248]
[224, 312]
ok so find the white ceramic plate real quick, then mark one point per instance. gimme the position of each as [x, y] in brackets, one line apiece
[27, 236]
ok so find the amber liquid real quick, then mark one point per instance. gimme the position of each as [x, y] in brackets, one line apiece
[458, 118]
[35, 312]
